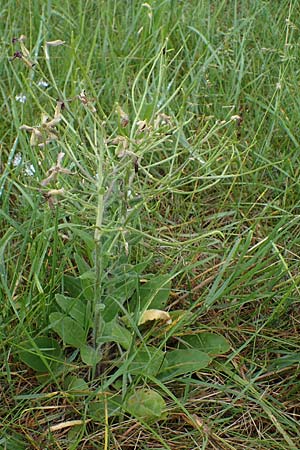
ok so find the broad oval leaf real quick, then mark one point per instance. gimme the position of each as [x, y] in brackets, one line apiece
[146, 404]
[41, 354]
[147, 361]
[89, 355]
[181, 362]
[68, 329]
[114, 332]
[76, 384]
[210, 343]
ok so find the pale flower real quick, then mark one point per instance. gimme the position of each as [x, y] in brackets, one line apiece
[17, 159]
[43, 84]
[29, 170]
[21, 98]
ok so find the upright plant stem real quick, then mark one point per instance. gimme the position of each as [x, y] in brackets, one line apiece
[98, 257]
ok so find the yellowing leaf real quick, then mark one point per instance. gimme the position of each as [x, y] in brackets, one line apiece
[55, 43]
[155, 314]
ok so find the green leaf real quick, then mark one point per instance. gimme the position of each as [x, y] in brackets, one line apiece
[68, 329]
[288, 360]
[41, 354]
[86, 283]
[122, 336]
[89, 275]
[105, 404]
[146, 404]
[74, 434]
[181, 315]
[181, 362]
[76, 384]
[147, 110]
[15, 441]
[210, 343]
[77, 308]
[114, 332]
[89, 355]
[119, 289]
[152, 295]
[87, 238]
[121, 285]
[147, 361]
[72, 286]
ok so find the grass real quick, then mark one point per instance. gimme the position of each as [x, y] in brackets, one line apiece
[191, 207]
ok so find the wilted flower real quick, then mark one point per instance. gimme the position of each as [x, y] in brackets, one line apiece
[143, 127]
[52, 194]
[24, 54]
[237, 118]
[122, 150]
[119, 140]
[55, 192]
[124, 119]
[46, 132]
[87, 101]
[55, 43]
[122, 145]
[37, 137]
[55, 170]
[57, 116]
[161, 119]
